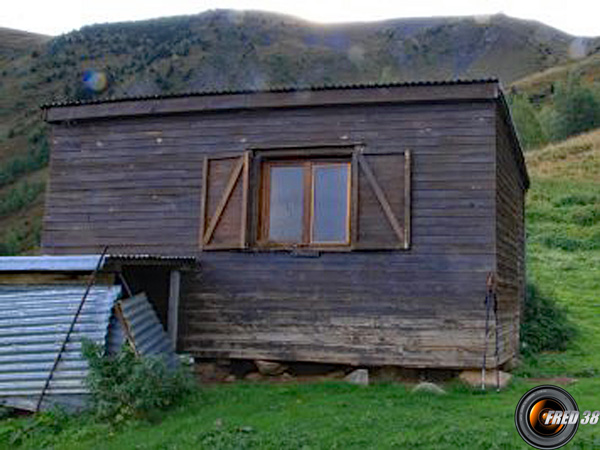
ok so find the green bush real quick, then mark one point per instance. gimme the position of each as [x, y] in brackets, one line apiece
[21, 236]
[544, 325]
[36, 158]
[125, 386]
[20, 196]
[577, 108]
[43, 425]
[529, 128]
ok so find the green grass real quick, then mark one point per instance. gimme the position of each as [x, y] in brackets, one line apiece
[563, 230]
[320, 416]
[563, 226]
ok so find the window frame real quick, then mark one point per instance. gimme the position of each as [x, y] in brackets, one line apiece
[308, 163]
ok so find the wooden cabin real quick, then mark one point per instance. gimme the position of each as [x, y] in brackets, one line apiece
[350, 224]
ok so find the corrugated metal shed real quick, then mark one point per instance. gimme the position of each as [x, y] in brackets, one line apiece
[34, 321]
[144, 327]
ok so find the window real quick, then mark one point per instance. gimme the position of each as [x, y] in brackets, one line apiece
[325, 198]
[305, 203]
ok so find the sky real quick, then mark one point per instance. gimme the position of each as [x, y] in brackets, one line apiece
[577, 17]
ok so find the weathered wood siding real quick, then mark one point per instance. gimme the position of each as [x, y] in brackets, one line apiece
[510, 238]
[135, 184]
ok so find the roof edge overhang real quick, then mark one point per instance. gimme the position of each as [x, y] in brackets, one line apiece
[89, 263]
[514, 137]
[442, 91]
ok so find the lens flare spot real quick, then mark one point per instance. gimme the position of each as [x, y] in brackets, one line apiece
[95, 80]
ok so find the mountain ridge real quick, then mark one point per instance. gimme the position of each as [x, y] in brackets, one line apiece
[225, 50]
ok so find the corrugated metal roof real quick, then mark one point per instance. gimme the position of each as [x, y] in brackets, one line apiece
[81, 263]
[323, 87]
[78, 263]
[146, 330]
[150, 259]
[34, 321]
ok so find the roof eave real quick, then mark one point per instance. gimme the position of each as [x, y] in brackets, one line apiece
[398, 93]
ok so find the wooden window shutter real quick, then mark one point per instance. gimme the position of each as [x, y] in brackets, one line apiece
[224, 209]
[381, 200]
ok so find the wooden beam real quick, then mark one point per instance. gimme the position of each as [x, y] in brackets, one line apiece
[245, 193]
[354, 198]
[203, 201]
[383, 202]
[407, 198]
[235, 174]
[173, 308]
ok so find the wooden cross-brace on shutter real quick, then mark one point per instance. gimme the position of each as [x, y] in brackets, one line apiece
[381, 200]
[225, 202]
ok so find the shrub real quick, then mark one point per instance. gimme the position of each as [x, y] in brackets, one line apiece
[577, 107]
[528, 126]
[43, 425]
[35, 159]
[544, 325]
[125, 386]
[20, 196]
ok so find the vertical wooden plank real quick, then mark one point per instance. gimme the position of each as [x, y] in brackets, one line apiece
[203, 201]
[265, 176]
[255, 193]
[245, 190]
[173, 312]
[407, 198]
[354, 198]
[308, 203]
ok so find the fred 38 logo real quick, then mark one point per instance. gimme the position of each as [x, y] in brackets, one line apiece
[547, 417]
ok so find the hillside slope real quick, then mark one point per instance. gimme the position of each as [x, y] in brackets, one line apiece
[238, 50]
[563, 235]
[18, 41]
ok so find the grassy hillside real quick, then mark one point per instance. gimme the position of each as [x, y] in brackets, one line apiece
[17, 41]
[563, 227]
[232, 50]
[539, 86]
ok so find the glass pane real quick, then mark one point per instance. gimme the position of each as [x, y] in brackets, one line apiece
[330, 223]
[286, 203]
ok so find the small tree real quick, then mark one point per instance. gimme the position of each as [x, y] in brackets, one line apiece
[528, 125]
[577, 108]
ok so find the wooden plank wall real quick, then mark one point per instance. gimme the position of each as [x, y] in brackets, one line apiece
[135, 184]
[510, 236]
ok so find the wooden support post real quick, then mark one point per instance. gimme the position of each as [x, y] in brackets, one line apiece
[173, 314]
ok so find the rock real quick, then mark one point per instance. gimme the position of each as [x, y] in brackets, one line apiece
[426, 386]
[358, 376]
[335, 375]
[286, 377]
[230, 378]
[210, 372]
[270, 368]
[253, 376]
[473, 378]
